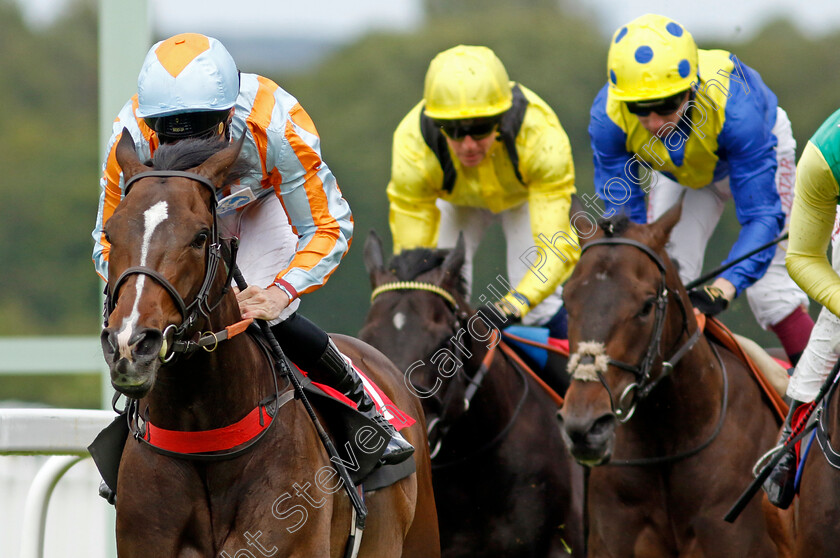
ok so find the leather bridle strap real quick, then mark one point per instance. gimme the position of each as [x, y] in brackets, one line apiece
[203, 180]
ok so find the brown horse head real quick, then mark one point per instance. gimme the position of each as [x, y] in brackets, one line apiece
[162, 236]
[417, 324]
[614, 298]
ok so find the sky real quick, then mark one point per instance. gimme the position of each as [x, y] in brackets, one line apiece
[340, 20]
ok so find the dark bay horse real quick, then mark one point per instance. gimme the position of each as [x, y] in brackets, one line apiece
[504, 483]
[669, 424]
[277, 497]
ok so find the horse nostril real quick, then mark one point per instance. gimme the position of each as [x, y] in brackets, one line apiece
[147, 344]
[603, 425]
[108, 339]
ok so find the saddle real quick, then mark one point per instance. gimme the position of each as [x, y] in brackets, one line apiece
[753, 357]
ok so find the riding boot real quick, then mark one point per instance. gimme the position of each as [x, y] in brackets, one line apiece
[780, 486]
[345, 379]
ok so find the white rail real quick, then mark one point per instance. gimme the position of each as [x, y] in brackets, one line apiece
[62, 433]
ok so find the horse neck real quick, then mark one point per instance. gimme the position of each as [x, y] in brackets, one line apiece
[495, 400]
[208, 390]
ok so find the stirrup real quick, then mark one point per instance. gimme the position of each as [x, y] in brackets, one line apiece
[106, 492]
[398, 448]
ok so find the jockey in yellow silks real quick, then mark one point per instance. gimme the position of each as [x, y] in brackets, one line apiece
[674, 120]
[812, 225]
[480, 149]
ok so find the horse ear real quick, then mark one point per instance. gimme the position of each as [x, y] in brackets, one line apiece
[217, 167]
[454, 260]
[127, 157]
[577, 215]
[373, 258]
[661, 228]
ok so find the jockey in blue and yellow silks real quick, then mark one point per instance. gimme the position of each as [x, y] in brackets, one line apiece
[674, 120]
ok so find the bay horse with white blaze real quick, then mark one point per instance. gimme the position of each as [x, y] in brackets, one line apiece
[669, 423]
[504, 484]
[276, 493]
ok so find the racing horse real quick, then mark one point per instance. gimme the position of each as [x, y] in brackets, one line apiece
[172, 346]
[504, 484]
[668, 423]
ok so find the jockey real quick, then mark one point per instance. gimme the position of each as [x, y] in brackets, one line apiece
[480, 149]
[812, 225]
[189, 87]
[677, 121]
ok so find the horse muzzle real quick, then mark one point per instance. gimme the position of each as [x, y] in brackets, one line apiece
[133, 362]
[590, 441]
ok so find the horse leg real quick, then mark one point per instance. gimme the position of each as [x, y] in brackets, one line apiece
[780, 527]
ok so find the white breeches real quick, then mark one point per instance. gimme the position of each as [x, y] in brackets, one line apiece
[516, 224]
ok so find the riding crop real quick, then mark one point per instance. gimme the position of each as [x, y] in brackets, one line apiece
[717, 271]
[799, 430]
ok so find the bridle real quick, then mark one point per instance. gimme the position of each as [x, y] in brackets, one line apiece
[643, 385]
[174, 341]
[644, 382]
[444, 421]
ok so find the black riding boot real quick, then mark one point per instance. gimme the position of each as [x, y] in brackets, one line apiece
[780, 486]
[347, 381]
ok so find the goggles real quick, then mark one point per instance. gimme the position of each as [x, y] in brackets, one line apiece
[663, 107]
[175, 127]
[477, 129]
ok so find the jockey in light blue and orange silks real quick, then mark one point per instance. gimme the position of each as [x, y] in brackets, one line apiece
[293, 224]
[280, 136]
[674, 120]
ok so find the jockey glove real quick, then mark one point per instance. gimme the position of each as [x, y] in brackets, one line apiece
[709, 300]
[497, 315]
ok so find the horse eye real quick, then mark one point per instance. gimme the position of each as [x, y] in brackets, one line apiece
[200, 239]
[646, 308]
[107, 237]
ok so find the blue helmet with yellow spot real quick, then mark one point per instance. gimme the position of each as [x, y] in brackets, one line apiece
[651, 57]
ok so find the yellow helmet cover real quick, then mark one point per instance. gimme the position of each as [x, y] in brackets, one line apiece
[466, 82]
[651, 57]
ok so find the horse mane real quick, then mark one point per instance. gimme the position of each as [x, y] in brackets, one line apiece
[192, 152]
[616, 225]
[410, 264]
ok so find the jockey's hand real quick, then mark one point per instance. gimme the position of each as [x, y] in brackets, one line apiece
[262, 304]
[712, 299]
[497, 315]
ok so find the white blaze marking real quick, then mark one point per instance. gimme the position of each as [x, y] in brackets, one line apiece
[399, 320]
[153, 217]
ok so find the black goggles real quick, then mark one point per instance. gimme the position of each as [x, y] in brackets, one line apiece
[172, 128]
[663, 107]
[457, 130]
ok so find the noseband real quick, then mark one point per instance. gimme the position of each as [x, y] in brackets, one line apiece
[199, 306]
[644, 383]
